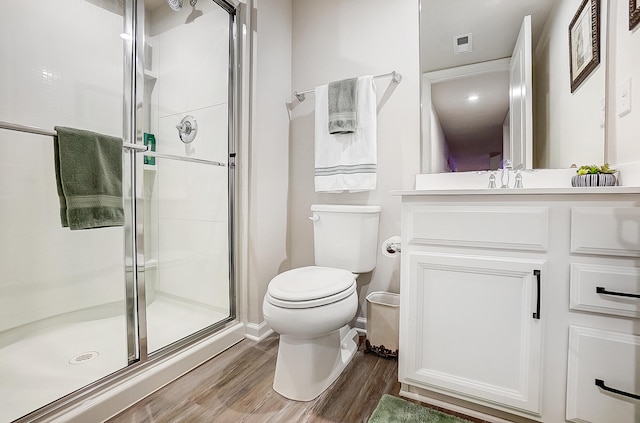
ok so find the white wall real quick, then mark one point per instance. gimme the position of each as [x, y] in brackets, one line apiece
[338, 39]
[567, 125]
[624, 63]
[50, 75]
[269, 150]
[439, 147]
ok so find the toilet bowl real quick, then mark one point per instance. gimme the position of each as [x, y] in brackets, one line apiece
[311, 307]
[316, 342]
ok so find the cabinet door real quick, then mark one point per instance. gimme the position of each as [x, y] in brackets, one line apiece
[471, 329]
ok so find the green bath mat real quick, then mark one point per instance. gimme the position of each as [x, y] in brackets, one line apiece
[395, 410]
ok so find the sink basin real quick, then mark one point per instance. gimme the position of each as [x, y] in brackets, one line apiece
[534, 178]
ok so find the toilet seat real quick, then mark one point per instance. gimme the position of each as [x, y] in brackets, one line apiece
[311, 286]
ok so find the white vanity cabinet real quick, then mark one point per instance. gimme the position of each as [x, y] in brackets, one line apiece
[603, 375]
[496, 290]
[474, 327]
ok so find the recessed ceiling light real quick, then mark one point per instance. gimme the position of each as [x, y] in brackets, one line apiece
[473, 97]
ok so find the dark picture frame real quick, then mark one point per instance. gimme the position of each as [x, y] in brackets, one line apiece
[584, 42]
[634, 13]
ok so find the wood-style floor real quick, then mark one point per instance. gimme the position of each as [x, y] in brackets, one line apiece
[236, 386]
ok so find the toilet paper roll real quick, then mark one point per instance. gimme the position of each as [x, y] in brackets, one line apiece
[390, 241]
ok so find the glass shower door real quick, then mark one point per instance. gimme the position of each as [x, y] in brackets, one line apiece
[62, 292]
[186, 181]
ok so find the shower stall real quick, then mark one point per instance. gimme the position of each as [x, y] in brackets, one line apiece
[81, 308]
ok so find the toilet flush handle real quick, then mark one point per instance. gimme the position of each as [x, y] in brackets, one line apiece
[315, 217]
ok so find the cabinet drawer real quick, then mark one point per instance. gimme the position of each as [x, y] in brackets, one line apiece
[519, 228]
[610, 357]
[617, 285]
[611, 231]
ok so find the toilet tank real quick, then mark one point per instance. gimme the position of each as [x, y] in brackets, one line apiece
[346, 236]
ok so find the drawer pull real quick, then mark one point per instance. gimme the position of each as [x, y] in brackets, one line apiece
[600, 384]
[601, 290]
[536, 315]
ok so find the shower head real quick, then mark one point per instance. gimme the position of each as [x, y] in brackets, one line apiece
[175, 4]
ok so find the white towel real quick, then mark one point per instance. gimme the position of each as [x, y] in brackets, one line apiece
[347, 162]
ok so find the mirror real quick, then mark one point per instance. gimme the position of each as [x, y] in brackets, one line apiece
[466, 47]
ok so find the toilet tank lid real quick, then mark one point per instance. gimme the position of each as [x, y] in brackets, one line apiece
[345, 208]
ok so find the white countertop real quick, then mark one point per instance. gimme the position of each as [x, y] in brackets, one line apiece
[521, 191]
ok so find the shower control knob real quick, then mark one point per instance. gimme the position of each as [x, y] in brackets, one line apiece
[187, 129]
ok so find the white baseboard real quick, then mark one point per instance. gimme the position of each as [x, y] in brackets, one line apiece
[257, 332]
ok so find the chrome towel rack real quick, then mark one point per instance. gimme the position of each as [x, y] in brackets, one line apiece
[39, 131]
[396, 77]
[126, 145]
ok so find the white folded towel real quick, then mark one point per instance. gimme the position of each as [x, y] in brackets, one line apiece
[347, 162]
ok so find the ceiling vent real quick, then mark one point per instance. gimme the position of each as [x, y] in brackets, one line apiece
[462, 43]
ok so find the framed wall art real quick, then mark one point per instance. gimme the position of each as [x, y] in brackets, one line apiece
[634, 13]
[584, 42]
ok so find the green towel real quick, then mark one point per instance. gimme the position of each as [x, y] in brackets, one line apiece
[89, 178]
[342, 106]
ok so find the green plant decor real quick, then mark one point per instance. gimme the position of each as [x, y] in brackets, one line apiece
[593, 169]
[595, 176]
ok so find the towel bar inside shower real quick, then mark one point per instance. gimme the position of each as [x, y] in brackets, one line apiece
[39, 131]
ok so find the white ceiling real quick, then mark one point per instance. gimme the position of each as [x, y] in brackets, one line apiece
[495, 25]
[473, 129]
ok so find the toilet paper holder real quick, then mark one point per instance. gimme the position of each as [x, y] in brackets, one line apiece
[394, 247]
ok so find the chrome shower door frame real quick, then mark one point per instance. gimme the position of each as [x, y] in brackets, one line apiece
[136, 287]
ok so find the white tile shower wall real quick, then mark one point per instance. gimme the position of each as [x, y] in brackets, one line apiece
[210, 142]
[49, 75]
[191, 63]
[193, 261]
[192, 191]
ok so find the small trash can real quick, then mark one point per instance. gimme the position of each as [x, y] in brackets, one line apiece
[383, 318]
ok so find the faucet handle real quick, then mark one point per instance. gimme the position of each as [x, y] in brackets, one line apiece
[518, 183]
[492, 180]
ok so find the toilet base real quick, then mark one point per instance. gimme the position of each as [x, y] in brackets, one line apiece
[306, 367]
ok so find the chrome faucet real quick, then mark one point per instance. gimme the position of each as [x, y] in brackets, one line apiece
[504, 175]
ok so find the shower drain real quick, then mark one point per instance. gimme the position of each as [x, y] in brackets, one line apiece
[83, 357]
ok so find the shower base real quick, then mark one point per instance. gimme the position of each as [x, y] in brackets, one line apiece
[42, 362]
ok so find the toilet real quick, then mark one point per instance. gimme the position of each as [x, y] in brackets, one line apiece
[311, 307]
